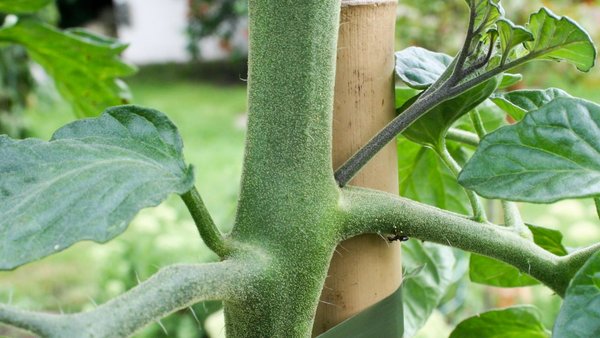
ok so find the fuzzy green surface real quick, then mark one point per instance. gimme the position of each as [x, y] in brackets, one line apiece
[288, 197]
[378, 212]
[174, 287]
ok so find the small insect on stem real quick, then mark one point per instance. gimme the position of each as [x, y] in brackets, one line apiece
[398, 237]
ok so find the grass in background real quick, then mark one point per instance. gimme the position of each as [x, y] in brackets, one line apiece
[211, 120]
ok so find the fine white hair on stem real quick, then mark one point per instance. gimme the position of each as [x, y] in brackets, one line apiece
[366, 2]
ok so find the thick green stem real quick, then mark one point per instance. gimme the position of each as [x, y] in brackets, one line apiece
[478, 210]
[290, 104]
[172, 288]
[205, 224]
[370, 211]
[288, 195]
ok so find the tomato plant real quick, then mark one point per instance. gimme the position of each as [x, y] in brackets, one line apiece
[95, 174]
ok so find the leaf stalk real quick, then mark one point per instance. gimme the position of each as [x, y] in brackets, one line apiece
[455, 168]
[205, 224]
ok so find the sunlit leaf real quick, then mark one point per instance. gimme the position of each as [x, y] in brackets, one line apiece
[509, 79]
[548, 239]
[579, 315]
[419, 67]
[87, 182]
[486, 12]
[517, 103]
[511, 36]
[423, 292]
[22, 6]
[404, 94]
[425, 178]
[552, 154]
[86, 68]
[513, 322]
[560, 38]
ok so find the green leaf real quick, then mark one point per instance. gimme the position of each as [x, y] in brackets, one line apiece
[552, 154]
[428, 267]
[511, 36]
[404, 94]
[519, 102]
[22, 6]
[84, 66]
[579, 315]
[489, 271]
[425, 178]
[560, 38]
[509, 79]
[548, 239]
[487, 12]
[419, 67]
[513, 322]
[431, 128]
[87, 182]
[423, 291]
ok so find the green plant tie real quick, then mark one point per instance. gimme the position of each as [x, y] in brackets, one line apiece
[384, 319]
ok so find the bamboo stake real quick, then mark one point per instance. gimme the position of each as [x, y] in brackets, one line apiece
[364, 269]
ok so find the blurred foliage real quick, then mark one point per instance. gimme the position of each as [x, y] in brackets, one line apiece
[211, 121]
[16, 84]
[439, 25]
[85, 67]
[219, 18]
[75, 13]
[154, 243]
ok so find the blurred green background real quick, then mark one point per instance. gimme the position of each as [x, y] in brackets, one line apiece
[208, 104]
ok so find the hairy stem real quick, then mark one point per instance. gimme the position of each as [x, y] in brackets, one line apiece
[172, 288]
[464, 53]
[205, 224]
[478, 210]
[478, 64]
[424, 104]
[369, 211]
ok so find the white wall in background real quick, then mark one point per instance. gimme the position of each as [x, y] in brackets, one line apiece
[155, 30]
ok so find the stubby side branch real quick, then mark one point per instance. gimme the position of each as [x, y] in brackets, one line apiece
[171, 289]
[369, 211]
